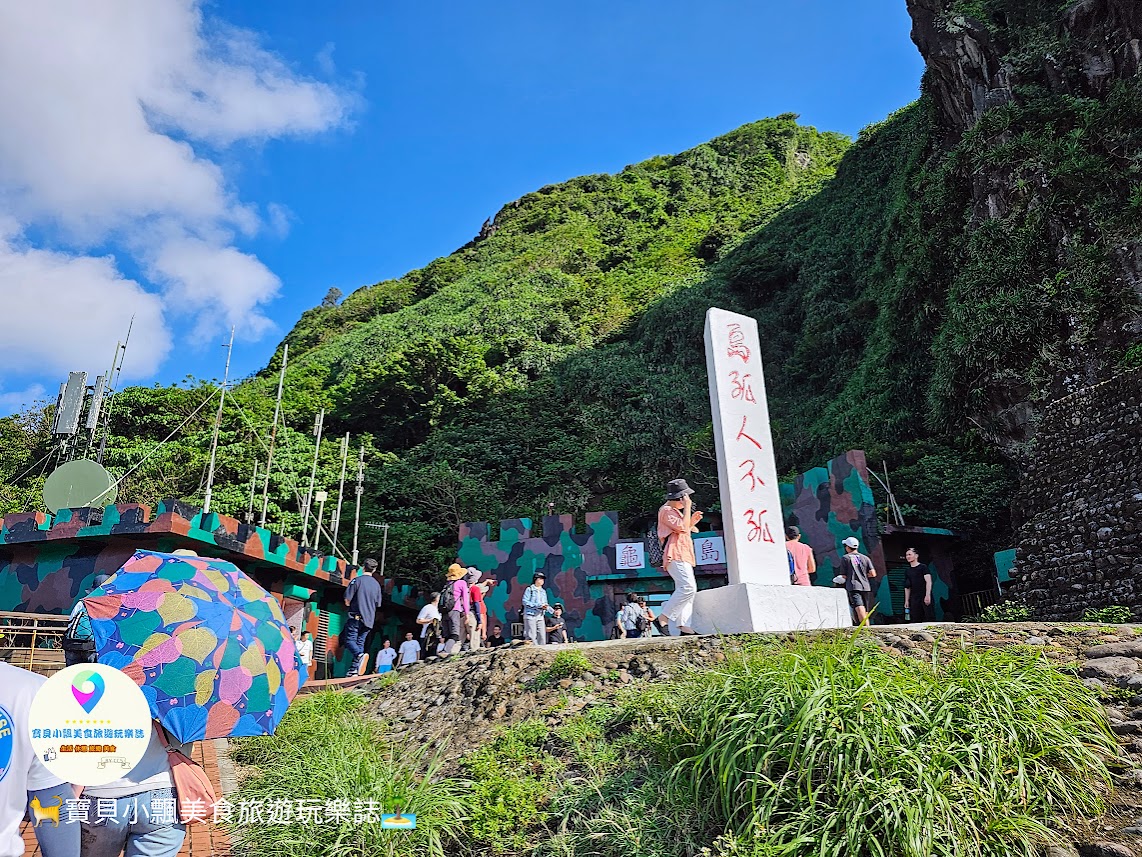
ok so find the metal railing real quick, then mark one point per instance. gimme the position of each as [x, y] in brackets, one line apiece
[33, 640]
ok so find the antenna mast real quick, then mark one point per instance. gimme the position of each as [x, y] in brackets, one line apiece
[340, 490]
[360, 491]
[217, 427]
[317, 426]
[273, 437]
[113, 387]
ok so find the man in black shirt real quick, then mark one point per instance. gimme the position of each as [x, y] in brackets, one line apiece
[496, 638]
[362, 597]
[557, 627]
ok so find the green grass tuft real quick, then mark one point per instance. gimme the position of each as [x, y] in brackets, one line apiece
[841, 750]
[326, 750]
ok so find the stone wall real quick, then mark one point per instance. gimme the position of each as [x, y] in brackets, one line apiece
[1080, 540]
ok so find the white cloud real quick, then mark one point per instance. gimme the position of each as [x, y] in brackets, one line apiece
[110, 115]
[64, 312]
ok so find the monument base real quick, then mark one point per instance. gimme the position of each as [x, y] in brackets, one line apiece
[744, 608]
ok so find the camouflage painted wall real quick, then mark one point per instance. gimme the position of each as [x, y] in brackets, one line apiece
[567, 558]
[47, 563]
[834, 502]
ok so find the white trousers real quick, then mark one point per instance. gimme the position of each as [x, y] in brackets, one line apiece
[535, 629]
[680, 606]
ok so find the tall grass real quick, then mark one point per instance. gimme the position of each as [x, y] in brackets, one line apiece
[326, 750]
[838, 749]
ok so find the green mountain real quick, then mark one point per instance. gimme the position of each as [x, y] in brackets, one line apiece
[920, 292]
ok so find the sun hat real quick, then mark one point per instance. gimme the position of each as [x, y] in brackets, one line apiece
[676, 489]
[456, 571]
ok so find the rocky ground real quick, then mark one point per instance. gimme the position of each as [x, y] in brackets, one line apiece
[456, 701]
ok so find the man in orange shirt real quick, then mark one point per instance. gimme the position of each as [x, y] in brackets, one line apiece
[804, 563]
[677, 519]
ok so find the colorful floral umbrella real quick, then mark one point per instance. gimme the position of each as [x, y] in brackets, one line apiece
[209, 647]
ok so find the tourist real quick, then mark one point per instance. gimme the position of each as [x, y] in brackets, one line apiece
[804, 563]
[409, 650]
[25, 784]
[496, 638]
[677, 519]
[557, 628]
[455, 603]
[429, 621]
[363, 596]
[917, 580]
[78, 642]
[145, 817]
[632, 619]
[856, 574]
[534, 610]
[305, 651]
[386, 656]
[477, 619]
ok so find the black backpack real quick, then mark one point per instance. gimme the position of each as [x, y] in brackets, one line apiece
[447, 598]
[641, 623]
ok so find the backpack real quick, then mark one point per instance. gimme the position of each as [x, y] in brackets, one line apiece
[447, 601]
[792, 568]
[71, 641]
[641, 623]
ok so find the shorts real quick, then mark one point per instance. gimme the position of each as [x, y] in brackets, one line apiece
[860, 598]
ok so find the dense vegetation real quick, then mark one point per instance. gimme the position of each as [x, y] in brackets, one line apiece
[832, 747]
[558, 357]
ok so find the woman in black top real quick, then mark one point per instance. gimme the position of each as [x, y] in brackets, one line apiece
[917, 587]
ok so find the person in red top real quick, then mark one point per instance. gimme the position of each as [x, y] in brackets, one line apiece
[804, 563]
[478, 624]
[677, 519]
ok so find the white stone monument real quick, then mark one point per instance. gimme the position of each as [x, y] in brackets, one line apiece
[759, 596]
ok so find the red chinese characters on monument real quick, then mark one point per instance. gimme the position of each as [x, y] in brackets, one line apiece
[742, 389]
[758, 528]
[737, 348]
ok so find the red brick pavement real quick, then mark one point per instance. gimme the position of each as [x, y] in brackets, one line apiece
[202, 840]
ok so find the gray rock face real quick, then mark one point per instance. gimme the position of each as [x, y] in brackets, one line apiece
[1080, 508]
[1127, 649]
[1104, 849]
[1114, 669]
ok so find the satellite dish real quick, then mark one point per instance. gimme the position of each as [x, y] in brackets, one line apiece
[79, 484]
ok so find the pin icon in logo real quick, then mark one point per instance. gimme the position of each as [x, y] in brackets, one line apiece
[87, 688]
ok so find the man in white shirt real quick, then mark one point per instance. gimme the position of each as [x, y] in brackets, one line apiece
[429, 613]
[409, 651]
[24, 781]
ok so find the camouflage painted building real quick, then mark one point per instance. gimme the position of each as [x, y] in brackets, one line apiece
[47, 562]
[591, 572]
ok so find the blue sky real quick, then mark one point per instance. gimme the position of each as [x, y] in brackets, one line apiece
[387, 134]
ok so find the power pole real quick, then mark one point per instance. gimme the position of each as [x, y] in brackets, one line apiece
[360, 491]
[253, 489]
[384, 543]
[317, 426]
[321, 497]
[340, 490]
[273, 437]
[217, 427]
